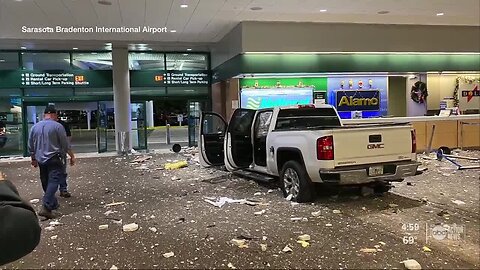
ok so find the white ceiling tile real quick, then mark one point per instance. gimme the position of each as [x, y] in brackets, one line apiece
[82, 13]
[157, 12]
[133, 12]
[109, 16]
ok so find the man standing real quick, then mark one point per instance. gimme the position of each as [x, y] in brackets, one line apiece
[48, 145]
[63, 182]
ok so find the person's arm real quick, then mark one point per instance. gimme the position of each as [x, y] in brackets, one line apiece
[65, 144]
[19, 228]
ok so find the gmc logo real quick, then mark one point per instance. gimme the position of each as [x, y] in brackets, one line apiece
[375, 146]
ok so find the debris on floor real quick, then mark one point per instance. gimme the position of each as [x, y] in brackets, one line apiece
[287, 249]
[368, 250]
[168, 254]
[230, 265]
[176, 165]
[130, 227]
[223, 200]
[317, 213]
[34, 201]
[426, 249]
[103, 227]
[458, 202]
[241, 243]
[412, 264]
[114, 204]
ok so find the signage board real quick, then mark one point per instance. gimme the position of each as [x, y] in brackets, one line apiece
[52, 79]
[469, 97]
[149, 78]
[357, 100]
[269, 98]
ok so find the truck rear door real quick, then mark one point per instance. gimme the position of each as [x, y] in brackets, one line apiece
[212, 137]
[365, 145]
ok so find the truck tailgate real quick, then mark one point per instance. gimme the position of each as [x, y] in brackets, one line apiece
[367, 145]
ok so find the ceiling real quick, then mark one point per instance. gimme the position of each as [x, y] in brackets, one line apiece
[206, 21]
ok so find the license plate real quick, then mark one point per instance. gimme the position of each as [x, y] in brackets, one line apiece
[375, 170]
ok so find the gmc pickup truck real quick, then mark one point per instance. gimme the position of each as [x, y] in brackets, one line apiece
[304, 145]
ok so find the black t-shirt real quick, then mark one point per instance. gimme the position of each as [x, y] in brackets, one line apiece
[66, 127]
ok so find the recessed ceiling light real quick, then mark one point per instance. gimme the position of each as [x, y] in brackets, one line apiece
[323, 10]
[2, 60]
[256, 8]
[173, 31]
[383, 12]
[23, 48]
[185, 54]
[189, 49]
[184, 6]
[440, 14]
[18, 0]
[105, 2]
[93, 53]
[74, 48]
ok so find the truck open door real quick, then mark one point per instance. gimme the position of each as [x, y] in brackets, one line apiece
[238, 141]
[212, 137]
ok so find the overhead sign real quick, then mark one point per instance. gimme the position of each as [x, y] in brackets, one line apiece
[270, 98]
[358, 100]
[148, 78]
[52, 79]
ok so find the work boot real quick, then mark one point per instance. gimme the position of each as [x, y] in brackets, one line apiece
[48, 214]
[65, 194]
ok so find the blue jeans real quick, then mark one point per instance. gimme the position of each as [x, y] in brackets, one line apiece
[63, 180]
[51, 173]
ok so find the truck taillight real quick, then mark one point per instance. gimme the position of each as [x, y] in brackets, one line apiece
[414, 141]
[325, 148]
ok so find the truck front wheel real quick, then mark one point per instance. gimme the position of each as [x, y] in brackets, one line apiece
[296, 183]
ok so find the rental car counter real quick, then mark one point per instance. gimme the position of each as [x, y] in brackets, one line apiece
[456, 131]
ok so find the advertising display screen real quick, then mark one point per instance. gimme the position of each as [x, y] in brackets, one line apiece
[275, 97]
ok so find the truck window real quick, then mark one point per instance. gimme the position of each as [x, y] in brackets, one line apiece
[262, 124]
[304, 118]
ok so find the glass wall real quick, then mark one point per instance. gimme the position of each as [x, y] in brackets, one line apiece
[186, 61]
[46, 61]
[9, 61]
[146, 61]
[92, 60]
[10, 122]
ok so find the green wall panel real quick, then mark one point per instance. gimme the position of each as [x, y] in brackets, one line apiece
[323, 63]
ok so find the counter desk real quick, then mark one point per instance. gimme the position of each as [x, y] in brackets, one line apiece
[456, 131]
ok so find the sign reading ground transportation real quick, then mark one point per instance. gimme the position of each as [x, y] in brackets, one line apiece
[49, 79]
[169, 78]
[358, 100]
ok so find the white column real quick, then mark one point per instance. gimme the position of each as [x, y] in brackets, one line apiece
[32, 114]
[150, 121]
[89, 119]
[121, 96]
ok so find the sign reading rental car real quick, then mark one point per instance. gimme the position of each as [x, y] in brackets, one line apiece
[357, 100]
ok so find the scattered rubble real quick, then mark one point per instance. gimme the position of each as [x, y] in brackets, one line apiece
[317, 213]
[176, 165]
[130, 227]
[426, 249]
[34, 201]
[168, 254]
[241, 243]
[458, 202]
[287, 249]
[103, 227]
[230, 265]
[412, 264]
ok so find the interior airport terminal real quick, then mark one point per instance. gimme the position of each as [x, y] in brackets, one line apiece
[239, 134]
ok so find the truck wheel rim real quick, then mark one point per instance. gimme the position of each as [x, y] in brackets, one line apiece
[291, 182]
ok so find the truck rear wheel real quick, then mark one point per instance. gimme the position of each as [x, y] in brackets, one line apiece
[295, 182]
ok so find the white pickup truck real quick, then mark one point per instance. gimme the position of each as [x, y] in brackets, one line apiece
[304, 145]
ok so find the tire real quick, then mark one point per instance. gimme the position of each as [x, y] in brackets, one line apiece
[294, 181]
